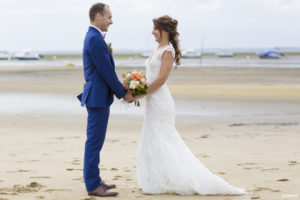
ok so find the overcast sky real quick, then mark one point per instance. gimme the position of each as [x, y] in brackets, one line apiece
[60, 25]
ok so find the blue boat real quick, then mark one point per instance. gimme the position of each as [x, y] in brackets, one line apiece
[270, 54]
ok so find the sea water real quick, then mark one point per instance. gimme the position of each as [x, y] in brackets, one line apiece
[254, 61]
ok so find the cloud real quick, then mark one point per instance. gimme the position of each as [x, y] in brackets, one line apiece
[207, 5]
[61, 25]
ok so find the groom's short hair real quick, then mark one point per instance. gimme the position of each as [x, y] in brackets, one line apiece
[96, 8]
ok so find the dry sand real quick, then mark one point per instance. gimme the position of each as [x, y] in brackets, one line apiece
[42, 153]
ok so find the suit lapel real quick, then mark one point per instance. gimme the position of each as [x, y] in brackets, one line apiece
[111, 58]
[92, 29]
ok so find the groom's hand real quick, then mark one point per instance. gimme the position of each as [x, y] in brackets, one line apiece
[128, 97]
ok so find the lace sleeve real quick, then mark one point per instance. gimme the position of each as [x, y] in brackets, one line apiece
[170, 48]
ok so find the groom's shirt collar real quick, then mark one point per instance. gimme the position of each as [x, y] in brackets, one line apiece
[103, 34]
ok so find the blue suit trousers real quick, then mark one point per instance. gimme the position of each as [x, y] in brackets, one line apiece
[96, 130]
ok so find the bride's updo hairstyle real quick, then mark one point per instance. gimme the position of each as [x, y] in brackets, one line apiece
[166, 23]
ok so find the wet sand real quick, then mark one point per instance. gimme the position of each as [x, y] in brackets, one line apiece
[242, 123]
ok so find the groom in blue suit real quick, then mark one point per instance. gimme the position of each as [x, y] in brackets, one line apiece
[99, 89]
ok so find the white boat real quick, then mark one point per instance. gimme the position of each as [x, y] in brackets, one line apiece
[224, 54]
[191, 54]
[4, 55]
[146, 54]
[27, 54]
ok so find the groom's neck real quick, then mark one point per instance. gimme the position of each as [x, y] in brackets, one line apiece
[95, 24]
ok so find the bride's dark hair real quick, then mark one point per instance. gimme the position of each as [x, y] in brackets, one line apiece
[166, 23]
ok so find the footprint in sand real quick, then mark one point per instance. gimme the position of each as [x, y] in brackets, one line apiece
[222, 173]
[117, 177]
[292, 162]
[89, 198]
[20, 170]
[259, 189]
[242, 164]
[276, 191]
[75, 162]
[204, 155]
[269, 169]
[246, 165]
[283, 179]
[57, 190]
[114, 169]
[247, 168]
[255, 197]
[40, 197]
[77, 179]
[71, 169]
[127, 170]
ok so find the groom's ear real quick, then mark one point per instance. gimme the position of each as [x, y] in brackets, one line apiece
[99, 16]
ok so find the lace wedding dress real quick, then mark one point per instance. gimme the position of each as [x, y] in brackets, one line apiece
[164, 163]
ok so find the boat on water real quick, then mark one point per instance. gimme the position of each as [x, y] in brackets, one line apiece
[27, 54]
[191, 54]
[270, 54]
[224, 54]
[4, 55]
[146, 54]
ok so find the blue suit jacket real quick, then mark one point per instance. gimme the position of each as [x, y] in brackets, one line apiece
[99, 73]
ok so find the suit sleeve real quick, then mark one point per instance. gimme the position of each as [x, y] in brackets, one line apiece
[101, 59]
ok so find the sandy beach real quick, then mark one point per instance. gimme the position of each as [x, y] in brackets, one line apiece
[242, 123]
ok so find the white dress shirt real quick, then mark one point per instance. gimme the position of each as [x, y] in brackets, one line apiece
[103, 34]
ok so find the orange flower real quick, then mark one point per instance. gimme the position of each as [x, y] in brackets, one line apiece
[138, 76]
[135, 76]
[132, 77]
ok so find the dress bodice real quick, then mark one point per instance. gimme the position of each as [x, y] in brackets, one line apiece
[153, 63]
[159, 102]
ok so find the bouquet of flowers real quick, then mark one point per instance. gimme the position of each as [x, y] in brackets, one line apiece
[136, 83]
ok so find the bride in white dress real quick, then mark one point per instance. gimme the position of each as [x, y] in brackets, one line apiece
[164, 162]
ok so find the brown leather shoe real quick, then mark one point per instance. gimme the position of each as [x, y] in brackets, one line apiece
[108, 186]
[101, 191]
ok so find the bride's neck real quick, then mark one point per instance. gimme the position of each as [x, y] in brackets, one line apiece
[163, 43]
